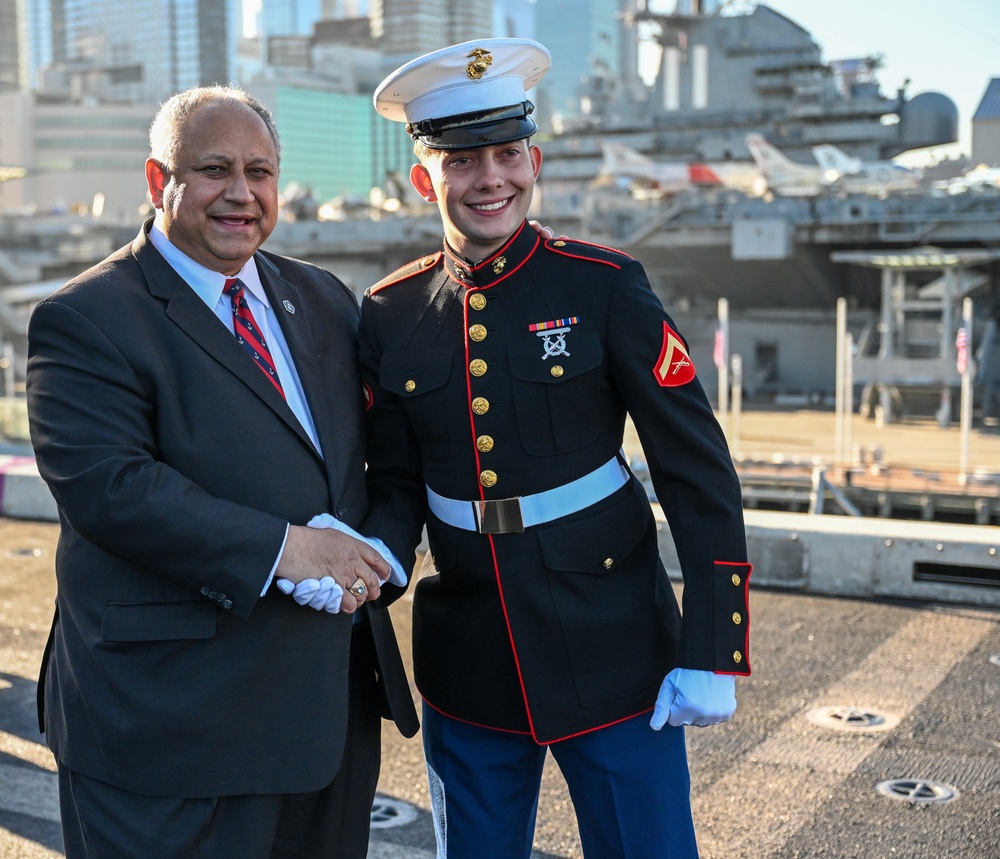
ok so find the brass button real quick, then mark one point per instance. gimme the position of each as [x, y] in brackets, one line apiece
[485, 443]
[609, 563]
[478, 367]
[559, 244]
[427, 262]
[478, 332]
[410, 386]
[557, 370]
[737, 657]
[736, 580]
[480, 405]
[488, 478]
[477, 301]
[737, 618]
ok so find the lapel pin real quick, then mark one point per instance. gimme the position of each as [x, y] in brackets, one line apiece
[288, 306]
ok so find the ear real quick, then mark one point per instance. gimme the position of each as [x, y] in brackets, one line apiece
[156, 181]
[536, 159]
[421, 180]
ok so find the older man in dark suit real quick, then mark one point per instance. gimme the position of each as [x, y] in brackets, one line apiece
[217, 669]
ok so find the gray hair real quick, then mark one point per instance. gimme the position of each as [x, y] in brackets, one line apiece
[168, 124]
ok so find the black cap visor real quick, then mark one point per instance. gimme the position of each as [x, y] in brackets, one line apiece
[481, 128]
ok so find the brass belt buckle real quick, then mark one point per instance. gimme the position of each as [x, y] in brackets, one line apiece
[502, 516]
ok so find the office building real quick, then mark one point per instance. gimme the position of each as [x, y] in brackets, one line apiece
[121, 50]
[514, 18]
[79, 158]
[288, 17]
[585, 38]
[412, 27]
[11, 48]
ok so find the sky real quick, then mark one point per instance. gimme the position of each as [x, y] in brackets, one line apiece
[946, 46]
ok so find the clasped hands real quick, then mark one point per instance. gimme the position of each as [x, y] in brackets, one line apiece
[691, 697]
[326, 593]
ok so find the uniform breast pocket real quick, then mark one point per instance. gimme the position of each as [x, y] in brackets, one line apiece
[551, 384]
[420, 378]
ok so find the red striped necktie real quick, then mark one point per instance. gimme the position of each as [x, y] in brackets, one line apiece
[248, 333]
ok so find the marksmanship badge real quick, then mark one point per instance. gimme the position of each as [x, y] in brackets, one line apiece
[554, 333]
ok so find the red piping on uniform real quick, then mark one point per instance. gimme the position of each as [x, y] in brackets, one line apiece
[388, 281]
[527, 256]
[527, 733]
[603, 248]
[486, 262]
[493, 553]
[474, 724]
[587, 259]
[506, 245]
[597, 727]
[510, 636]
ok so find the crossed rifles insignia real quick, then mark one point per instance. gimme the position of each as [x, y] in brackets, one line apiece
[483, 59]
[554, 333]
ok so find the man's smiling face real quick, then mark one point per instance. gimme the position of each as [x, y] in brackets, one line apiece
[483, 194]
[219, 203]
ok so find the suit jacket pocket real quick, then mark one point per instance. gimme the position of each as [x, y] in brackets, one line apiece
[159, 621]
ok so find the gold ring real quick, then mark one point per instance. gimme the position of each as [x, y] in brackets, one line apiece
[358, 588]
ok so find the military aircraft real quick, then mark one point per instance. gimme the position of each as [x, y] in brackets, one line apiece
[666, 178]
[864, 177]
[835, 171]
[978, 179]
[784, 176]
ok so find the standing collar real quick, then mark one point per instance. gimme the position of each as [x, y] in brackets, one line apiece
[500, 265]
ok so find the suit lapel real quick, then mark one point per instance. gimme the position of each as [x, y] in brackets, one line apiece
[290, 308]
[190, 313]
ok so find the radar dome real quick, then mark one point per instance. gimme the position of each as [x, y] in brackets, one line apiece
[928, 119]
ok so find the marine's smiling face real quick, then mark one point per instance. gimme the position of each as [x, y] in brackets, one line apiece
[483, 194]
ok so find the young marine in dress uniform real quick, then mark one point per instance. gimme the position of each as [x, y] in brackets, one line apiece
[499, 371]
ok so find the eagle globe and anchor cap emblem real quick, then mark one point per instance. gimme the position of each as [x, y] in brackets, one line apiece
[467, 95]
[481, 61]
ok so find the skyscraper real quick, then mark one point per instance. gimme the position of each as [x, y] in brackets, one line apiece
[10, 44]
[514, 18]
[413, 27]
[144, 52]
[584, 37]
[289, 17]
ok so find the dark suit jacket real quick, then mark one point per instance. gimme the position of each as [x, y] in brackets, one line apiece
[175, 466]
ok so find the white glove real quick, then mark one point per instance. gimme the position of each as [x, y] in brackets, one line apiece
[325, 594]
[396, 574]
[322, 593]
[691, 697]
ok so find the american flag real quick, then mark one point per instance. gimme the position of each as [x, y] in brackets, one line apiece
[962, 351]
[719, 350]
